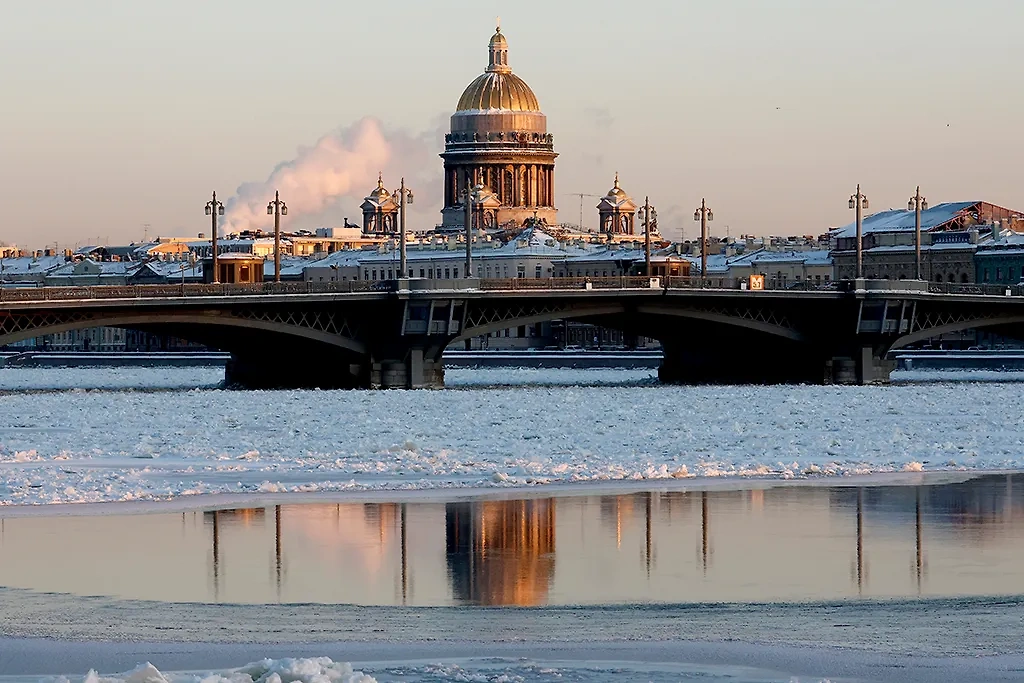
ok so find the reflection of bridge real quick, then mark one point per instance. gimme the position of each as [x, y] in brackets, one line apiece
[392, 334]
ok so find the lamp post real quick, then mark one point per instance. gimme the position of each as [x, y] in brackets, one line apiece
[468, 205]
[277, 208]
[703, 214]
[650, 221]
[214, 208]
[859, 202]
[404, 195]
[917, 204]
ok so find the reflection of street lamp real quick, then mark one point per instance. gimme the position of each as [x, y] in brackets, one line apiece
[214, 208]
[703, 214]
[917, 204]
[859, 202]
[277, 208]
[403, 196]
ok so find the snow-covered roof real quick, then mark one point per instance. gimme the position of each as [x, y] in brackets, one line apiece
[29, 265]
[104, 268]
[901, 220]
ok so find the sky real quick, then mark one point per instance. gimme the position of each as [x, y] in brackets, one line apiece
[119, 118]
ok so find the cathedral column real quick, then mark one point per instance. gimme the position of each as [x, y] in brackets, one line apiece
[532, 185]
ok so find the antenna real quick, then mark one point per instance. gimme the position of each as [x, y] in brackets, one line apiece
[581, 195]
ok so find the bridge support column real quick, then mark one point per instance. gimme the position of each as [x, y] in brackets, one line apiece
[726, 362]
[864, 366]
[417, 368]
[292, 371]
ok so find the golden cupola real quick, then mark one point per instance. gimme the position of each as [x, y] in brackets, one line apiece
[497, 88]
[499, 139]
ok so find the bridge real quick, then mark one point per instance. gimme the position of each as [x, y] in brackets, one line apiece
[363, 334]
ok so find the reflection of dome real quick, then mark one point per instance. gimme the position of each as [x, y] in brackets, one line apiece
[498, 88]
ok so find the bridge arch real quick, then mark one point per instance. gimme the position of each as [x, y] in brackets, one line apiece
[959, 326]
[182, 324]
[613, 315]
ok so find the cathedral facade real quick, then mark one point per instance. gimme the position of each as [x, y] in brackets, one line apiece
[499, 143]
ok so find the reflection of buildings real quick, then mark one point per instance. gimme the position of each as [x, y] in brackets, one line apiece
[501, 552]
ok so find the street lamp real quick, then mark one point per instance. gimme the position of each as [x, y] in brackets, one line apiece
[468, 206]
[214, 208]
[703, 214]
[649, 218]
[277, 208]
[404, 196]
[917, 204]
[859, 202]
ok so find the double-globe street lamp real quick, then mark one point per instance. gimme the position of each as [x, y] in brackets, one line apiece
[214, 208]
[859, 202]
[404, 196]
[277, 208]
[704, 214]
[649, 219]
[917, 204]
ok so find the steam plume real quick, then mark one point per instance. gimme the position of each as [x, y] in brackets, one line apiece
[340, 169]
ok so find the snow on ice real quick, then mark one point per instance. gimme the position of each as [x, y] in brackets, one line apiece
[497, 427]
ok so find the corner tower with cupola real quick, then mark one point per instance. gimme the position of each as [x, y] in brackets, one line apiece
[499, 139]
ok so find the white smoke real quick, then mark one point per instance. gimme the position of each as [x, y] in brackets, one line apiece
[334, 175]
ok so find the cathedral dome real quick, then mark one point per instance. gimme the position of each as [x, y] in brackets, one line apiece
[504, 91]
[498, 88]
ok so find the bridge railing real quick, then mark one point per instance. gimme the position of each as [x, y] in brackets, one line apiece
[526, 284]
[971, 288]
[188, 290]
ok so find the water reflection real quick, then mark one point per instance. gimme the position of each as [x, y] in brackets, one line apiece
[501, 552]
[782, 543]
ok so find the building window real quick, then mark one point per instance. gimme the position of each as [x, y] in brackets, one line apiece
[423, 273]
[999, 274]
[455, 273]
[447, 273]
[521, 272]
[985, 275]
[539, 271]
[374, 273]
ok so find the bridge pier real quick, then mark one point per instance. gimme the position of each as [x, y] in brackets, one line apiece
[417, 369]
[724, 361]
[252, 371]
[864, 366]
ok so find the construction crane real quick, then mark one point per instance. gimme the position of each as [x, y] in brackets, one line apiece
[581, 195]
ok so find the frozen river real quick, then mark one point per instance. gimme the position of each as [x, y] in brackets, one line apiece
[95, 435]
[90, 435]
[612, 528]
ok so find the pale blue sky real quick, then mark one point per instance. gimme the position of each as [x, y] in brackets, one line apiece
[118, 113]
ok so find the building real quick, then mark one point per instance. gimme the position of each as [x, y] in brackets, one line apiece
[950, 234]
[499, 140]
[235, 269]
[617, 212]
[380, 211]
[1001, 261]
[782, 268]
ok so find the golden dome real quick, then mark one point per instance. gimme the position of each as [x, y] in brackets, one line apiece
[498, 88]
[616, 190]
